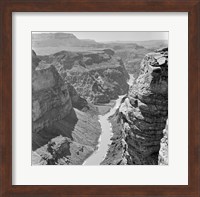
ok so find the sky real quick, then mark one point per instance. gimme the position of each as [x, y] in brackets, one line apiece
[119, 36]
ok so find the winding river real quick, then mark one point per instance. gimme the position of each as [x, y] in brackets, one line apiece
[104, 140]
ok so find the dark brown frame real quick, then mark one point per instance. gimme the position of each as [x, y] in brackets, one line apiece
[9, 6]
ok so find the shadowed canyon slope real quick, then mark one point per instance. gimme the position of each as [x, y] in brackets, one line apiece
[65, 128]
[139, 123]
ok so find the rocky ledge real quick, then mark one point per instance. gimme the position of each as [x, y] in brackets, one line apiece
[98, 75]
[65, 128]
[142, 116]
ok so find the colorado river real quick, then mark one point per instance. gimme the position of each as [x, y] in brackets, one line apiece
[104, 141]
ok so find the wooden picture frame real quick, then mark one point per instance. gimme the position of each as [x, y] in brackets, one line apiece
[7, 7]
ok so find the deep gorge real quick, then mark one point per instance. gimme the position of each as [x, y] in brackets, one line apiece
[74, 95]
[141, 118]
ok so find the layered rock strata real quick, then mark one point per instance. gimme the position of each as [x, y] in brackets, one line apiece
[98, 75]
[61, 133]
[143, 114]
[50, 98]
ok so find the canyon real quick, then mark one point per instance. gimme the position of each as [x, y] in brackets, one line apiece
[99, 103]
[98, 76]
[130, 52]
[139, 122]
[63, 132]
[67, 88]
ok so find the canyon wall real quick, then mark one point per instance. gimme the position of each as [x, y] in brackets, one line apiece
[98, 75]
[142, 115]
[50, 98]
[62, 134]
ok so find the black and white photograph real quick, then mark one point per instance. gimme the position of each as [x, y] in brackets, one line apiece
[99, 98]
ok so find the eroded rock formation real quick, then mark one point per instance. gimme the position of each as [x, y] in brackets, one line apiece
[50, 98]
[61, 134]
[97, 76]
[143, 114]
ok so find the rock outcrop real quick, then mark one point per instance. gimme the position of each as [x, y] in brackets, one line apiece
[143, 114]
[50, 98]
[61, 134]
[97, 76]
[77, 101]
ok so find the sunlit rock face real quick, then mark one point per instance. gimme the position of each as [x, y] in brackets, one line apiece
[98, 76]
[145, 111]
[50, 98]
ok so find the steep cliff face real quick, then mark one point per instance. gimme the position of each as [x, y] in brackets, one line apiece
[97, 76]
[148, 109]
[50, 98]
[61, 134]
[143, 114]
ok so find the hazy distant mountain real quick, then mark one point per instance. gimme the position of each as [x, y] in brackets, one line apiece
[147, 43]
[58, 39]
[49, 43]
[153, 44]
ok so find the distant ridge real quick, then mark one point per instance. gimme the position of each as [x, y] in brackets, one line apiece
[50, 43]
